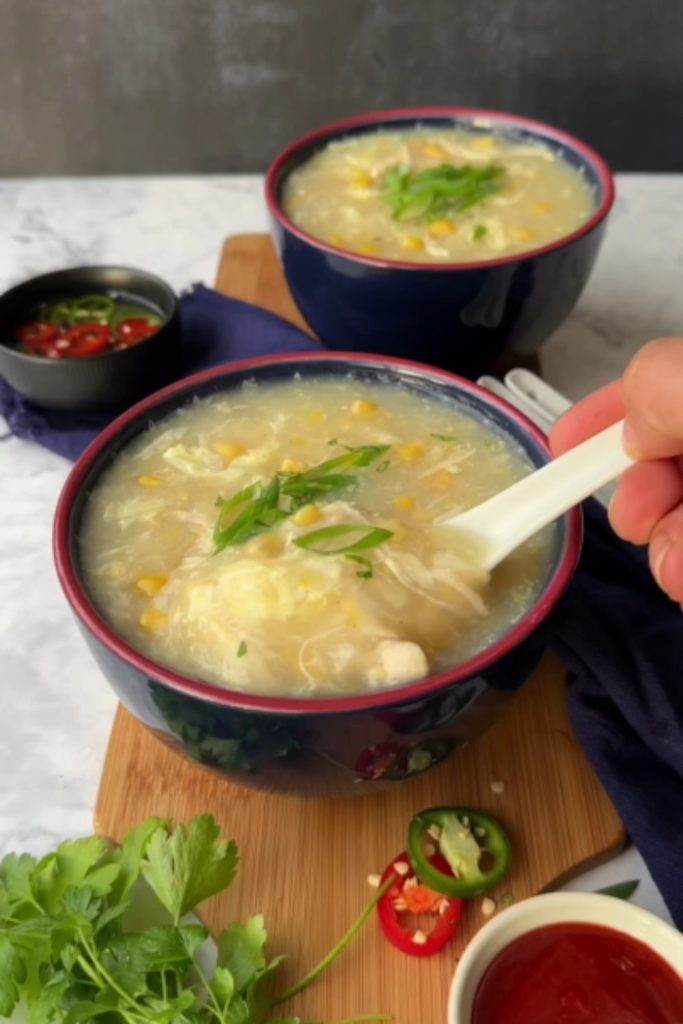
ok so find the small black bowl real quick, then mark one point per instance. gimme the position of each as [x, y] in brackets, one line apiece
[99, 383]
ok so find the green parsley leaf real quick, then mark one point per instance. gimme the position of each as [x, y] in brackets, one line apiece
[11, 973]
[73, 862]
[189, 865]
[129, 855]
[242, 649]
[241, 950]
[15, 877]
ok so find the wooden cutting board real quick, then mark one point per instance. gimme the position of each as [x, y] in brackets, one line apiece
[305, 861]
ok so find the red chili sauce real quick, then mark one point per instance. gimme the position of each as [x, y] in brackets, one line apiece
[578, 974]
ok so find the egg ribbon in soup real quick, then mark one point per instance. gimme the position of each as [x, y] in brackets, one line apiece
[437, 195]
[284, 538]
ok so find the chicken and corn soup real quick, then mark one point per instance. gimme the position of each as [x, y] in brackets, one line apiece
[437, 195]
[284, 538]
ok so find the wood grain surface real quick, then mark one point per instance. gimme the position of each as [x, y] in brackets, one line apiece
[305, 861]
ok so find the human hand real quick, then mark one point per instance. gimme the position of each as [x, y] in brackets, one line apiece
[647, 507]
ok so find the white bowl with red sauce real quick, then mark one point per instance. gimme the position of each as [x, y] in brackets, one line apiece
[561, 958]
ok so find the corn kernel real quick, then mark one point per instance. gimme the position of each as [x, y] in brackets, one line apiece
[117, 570]
[153, 619]
[292, 466]
[434, 149]
[367, 248]
[307, 515]
[151, 584]
[229, 450]
[146, 480]
[440, 481]
[361, 179]
[410, 450]
[412, 242]
[363, 407]
[522, 234]
[336, 240]
[441, 227]
[542, 206]
[484, 142]
[316, 416]
[404, 502]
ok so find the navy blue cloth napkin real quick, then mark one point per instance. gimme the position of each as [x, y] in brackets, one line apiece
[620, 638]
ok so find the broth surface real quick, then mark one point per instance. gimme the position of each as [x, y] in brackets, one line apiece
[339, 196]
[268, 615]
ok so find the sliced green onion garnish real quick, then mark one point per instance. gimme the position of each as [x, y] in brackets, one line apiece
[439, 191]
[383, 466]
[444, 437]
[318, 541]
[479, 232]
[365, 571]
[242, 649]
[260, 506]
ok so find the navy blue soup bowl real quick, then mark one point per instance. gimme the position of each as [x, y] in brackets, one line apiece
[461, 316]
[325, 745]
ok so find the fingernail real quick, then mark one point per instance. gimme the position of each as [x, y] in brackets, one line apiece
[659, 549]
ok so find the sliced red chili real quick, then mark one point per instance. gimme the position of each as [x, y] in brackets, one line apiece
[86, 339]
[409, 895]
[134, 329]
[38, 337]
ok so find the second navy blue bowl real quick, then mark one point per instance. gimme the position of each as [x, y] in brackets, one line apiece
[461, 316]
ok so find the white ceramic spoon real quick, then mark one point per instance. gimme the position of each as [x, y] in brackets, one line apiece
[496, 527]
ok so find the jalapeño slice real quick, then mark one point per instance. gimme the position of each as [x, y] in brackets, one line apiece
[473, 844]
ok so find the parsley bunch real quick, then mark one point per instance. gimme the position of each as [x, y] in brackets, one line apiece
[69, 952]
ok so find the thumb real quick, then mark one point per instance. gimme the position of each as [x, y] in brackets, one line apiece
[652, 390]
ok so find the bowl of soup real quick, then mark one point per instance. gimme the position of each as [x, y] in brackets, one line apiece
[256, 558]
[566, 957]
[90, 339]
[449, 235]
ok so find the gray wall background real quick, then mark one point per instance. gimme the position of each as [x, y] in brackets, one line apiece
[126, 86]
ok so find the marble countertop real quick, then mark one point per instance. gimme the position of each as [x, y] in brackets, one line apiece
[54, 736]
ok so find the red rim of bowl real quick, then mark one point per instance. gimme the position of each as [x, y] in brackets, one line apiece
[106, 635]
[537, 127]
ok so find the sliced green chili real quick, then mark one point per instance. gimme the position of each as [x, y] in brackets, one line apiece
[475, 846]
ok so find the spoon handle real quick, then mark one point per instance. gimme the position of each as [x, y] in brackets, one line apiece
[511, 517]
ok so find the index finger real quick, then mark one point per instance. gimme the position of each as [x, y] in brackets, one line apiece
[592, 414]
